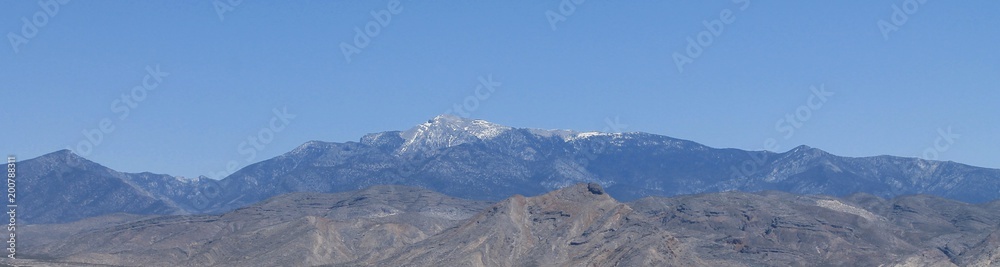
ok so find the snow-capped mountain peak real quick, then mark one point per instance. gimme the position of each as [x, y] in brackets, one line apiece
[447, 131]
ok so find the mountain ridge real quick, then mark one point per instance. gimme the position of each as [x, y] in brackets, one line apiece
[481, 160]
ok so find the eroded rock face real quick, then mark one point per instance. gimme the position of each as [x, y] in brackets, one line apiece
[595, 189]
[574, 226]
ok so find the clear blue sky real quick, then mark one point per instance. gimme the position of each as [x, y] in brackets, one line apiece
[607, 59]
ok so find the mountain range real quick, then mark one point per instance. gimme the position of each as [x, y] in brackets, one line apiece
[480, 160]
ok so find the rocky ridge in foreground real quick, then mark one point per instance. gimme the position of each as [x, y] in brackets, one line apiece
[580, 225]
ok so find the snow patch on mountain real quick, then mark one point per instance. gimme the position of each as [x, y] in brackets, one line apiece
[447, 131]
[586, 135]
[190, 180]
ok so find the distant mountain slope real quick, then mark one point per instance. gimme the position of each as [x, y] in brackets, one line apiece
[579, 225]
[477, 159]
[482, 160]
[63, 187]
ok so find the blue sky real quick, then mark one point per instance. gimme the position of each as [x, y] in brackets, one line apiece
[222, 77]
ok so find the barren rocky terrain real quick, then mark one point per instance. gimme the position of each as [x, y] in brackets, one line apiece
[580, 225]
